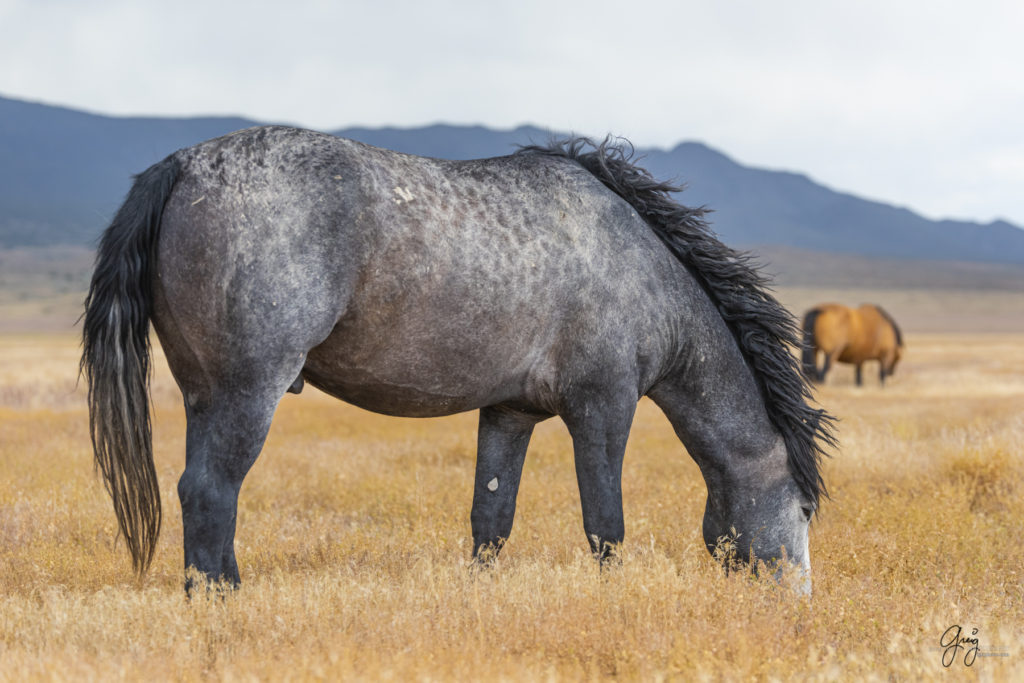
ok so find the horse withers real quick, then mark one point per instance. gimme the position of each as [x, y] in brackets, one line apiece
[561, 280]
[849, 335]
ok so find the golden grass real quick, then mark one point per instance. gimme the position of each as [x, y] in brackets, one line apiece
[353, 542]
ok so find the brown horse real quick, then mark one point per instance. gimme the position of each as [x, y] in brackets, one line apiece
[851, 335]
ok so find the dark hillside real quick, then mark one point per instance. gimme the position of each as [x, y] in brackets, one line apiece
[64, 172]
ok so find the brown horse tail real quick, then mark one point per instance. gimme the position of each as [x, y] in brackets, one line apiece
[115, 359]
[892, 321]
[809, 353]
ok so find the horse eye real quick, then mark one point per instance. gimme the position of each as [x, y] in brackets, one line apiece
[808, 510]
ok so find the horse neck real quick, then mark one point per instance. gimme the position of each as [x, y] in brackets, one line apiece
[713, 402]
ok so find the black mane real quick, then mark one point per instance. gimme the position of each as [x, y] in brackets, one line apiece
[763, 328]
[892, 321]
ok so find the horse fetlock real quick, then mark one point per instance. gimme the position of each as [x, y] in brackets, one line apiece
[606, 550]
[200, 584]
[486, 552]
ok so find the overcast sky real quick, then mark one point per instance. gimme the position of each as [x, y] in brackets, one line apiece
[919, 103]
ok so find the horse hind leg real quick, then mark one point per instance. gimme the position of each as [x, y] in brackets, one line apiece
[502, 441]
[228, 417]
[223, 439]
[859, 374]
[811, 366]
[810, 362]
[825, 367]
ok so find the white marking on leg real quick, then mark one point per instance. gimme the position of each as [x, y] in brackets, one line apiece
[492, 485]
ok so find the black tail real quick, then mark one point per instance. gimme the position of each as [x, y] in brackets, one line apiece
[115, 358]
[763, 328]
[809, 353]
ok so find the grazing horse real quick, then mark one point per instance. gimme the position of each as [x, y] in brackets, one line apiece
[561, 280]
[852, 336]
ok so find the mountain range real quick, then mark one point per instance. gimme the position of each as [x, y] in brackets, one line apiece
[63, 172]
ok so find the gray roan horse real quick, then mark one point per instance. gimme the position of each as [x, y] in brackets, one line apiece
[560, 280]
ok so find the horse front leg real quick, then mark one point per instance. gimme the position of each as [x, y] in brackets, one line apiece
[503, 437]
[886, 366]
[599, 435]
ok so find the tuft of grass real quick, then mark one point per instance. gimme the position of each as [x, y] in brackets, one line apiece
[990, 478]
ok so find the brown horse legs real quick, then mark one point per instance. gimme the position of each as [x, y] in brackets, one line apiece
[882, 373]
[825, 367]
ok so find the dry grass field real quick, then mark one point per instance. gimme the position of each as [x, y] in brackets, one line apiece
[353, 542]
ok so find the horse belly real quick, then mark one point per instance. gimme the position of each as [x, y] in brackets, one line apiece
[386, 397]
[850, 354]
[412, 376]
